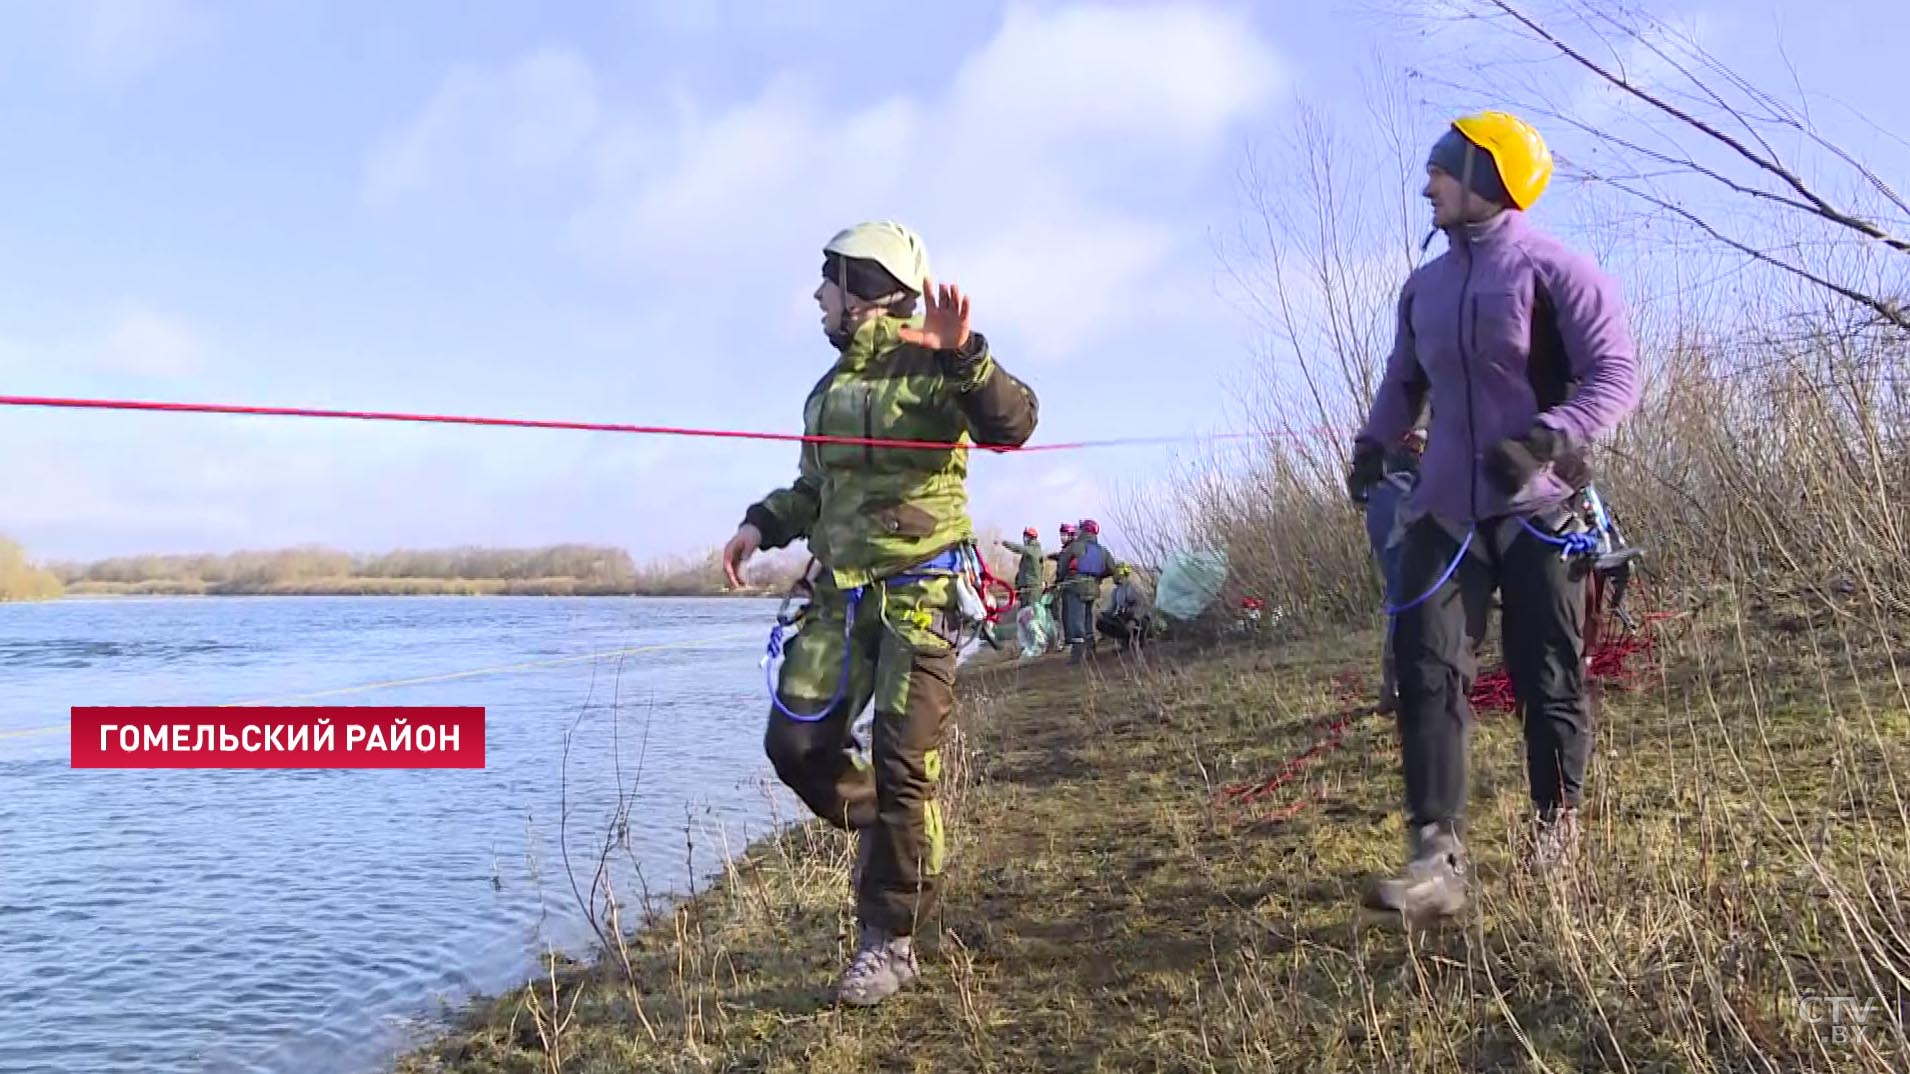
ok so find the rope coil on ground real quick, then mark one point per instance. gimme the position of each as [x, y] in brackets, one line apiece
[1611, 664]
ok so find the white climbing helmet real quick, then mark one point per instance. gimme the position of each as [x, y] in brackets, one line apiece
[889, 244]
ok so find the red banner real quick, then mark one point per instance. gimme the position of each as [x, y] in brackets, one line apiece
[289, 737]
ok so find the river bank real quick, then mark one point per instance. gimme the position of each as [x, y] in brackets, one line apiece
[1106, 912]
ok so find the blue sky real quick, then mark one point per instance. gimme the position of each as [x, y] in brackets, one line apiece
[611, 212]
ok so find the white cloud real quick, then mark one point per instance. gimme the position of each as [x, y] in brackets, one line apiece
[403, 160]
[1022, 491]
[121, 41]
[1144, 79]
[1043, 175]
[1098, 261]
[536, 113]
[136, 340]
[143, 342]
[552, 107]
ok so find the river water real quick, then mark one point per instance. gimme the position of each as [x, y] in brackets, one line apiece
[269, 922]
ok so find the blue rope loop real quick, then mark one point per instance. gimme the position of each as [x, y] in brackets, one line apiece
[948, 564]
[1393, 611]
[842, 684]
[1570, 544]
[1573, 544]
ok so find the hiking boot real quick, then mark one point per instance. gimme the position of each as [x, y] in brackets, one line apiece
[1077, 651]
[882, 966]
[1554, 840]
[1433, 883]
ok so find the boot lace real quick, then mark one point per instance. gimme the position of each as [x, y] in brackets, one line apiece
[870, 961]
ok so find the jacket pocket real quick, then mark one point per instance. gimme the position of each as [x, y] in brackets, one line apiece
[905, 520]
[1501, 328]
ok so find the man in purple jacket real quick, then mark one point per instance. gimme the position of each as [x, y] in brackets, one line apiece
[1523, 351]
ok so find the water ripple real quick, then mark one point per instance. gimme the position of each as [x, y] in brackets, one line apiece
[267, 922]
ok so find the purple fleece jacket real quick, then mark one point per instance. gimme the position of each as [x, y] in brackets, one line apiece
[1464, 337]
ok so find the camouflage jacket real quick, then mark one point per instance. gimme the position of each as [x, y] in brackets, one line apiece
[870, 512]
[1029, 572]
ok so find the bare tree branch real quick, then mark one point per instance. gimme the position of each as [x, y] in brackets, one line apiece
[1889, 311]
[1820, 206]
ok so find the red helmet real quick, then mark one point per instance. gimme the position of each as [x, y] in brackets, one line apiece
[1030, 533]
[1067, 529]
[1089, 525]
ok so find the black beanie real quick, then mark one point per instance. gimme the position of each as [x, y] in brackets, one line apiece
[866, 280]
[1449, 155]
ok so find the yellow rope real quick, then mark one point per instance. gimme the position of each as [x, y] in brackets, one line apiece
[527, 665]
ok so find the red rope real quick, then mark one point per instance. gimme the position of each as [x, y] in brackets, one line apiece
[1334, 731]
[601, 427]
[1611, 664]
[990, 580]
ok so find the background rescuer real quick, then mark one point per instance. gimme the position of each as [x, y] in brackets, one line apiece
[889, 529]
[1497, 331]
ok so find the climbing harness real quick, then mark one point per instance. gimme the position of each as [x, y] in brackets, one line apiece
[973, 581]
[775, 651]
[1612, 566]
[1597, 547]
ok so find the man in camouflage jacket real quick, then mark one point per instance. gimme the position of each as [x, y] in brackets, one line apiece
[883, 523]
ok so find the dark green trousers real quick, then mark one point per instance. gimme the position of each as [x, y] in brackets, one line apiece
[901, 653]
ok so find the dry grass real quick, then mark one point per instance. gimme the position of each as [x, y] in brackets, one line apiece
[1746, 852]
[24, 580]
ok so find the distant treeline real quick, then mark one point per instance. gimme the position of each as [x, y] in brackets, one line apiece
[559, 570]
[20, 579]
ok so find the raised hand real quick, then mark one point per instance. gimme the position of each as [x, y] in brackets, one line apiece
[944, 319]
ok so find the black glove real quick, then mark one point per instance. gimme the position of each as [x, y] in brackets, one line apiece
[1369, 469]
[1513, 463]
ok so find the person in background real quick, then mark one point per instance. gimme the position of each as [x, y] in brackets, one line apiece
[890, 532]
[1056, 595]
[1127, 617]
[1521, 348]
[1384, 529]
[1030, 568]
[1084, 565]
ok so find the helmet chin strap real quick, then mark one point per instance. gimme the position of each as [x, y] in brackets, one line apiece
[851, 315]
[1465, 203]
[856, 310]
